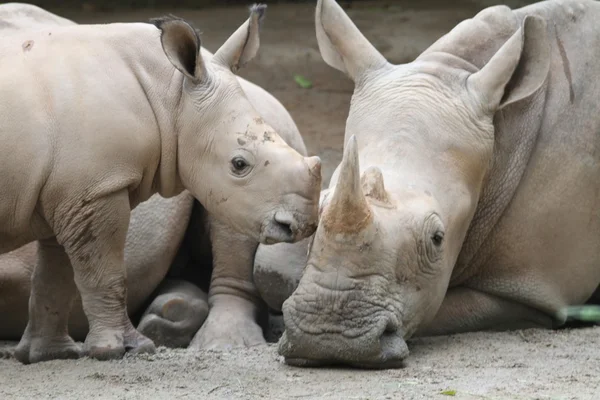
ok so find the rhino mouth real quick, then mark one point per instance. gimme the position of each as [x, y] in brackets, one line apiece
[307, 363]
[278, 230]
[300, 349]
[285, 227]
[392, 355]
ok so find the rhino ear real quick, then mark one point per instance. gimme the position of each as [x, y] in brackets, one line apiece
[242, 46]
[341, 43]
[181, 44]
[517, 69]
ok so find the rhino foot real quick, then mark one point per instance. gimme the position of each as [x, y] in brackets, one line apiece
[112, 344]
[31, 350]
[174, 317]
[230, 324]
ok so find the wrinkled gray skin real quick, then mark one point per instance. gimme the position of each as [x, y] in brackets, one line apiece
[468, 195]
[155, 235]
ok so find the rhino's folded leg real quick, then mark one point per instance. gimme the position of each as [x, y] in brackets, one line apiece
[175, 315]
[468, 310]
[278, 269]
[94, 239]
[52, 294]
[233, 299]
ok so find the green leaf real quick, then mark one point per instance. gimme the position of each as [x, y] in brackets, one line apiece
[589, 313]
[302, 82]
[449, 393]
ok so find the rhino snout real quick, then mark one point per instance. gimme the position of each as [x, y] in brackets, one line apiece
[377, 345]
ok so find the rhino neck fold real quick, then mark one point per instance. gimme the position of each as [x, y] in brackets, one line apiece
[516, 135]
[164, 90]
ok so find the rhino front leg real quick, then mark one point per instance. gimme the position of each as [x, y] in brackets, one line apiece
[233, 298]
[52, 295]
[175, 315]
[93, 234]
[468, 310]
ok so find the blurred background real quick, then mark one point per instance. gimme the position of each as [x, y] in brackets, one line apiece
[120, 4]
[288, 64]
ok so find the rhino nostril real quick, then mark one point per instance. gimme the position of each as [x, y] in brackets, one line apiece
[391, 327]
[285, 227]
[285, 223]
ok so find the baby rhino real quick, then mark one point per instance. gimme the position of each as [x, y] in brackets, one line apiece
[95, 120]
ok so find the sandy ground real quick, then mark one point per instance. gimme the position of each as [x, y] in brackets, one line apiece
[517, 365]
[529, 364]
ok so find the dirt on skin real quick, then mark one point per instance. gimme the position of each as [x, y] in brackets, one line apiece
[531, 364]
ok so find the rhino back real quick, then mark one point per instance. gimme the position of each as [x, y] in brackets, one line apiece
[86, 111]
[18, 16]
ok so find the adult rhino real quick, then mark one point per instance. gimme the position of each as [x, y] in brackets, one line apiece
[467, 198]
[165, 118]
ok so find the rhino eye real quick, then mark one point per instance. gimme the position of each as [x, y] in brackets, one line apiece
[438, 238]
[239, 165]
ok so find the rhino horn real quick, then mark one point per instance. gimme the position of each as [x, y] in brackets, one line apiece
[348, 211]
[372, 185]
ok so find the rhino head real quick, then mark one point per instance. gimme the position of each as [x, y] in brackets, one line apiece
[389, 235]
[228, 157]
